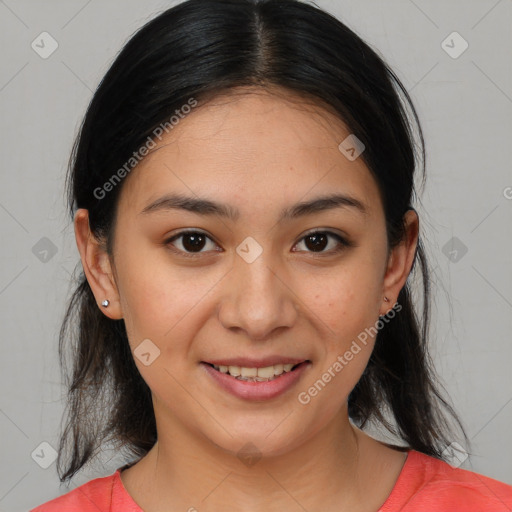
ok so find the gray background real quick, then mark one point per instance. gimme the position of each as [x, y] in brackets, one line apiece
[465, 105]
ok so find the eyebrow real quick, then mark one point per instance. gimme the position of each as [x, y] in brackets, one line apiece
[203, 206]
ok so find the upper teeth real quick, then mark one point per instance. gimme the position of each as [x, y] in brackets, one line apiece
[265, 373]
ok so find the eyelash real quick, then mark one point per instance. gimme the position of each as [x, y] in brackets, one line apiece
[343, 243]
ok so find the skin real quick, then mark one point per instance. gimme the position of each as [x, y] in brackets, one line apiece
[258, 152]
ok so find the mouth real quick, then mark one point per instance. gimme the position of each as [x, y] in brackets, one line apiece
[256, 374]
[256, 380]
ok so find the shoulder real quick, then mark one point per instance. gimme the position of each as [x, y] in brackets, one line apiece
[90, 497]
[427, 483]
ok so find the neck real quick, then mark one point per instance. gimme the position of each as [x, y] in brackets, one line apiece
[185, 472]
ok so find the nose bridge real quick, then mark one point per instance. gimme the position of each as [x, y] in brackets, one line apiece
[257, 278]
[258, 301]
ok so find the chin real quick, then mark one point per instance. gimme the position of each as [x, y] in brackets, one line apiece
[259, 438]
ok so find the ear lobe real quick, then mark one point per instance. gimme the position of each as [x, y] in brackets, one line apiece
[402, 257]
[97, 266]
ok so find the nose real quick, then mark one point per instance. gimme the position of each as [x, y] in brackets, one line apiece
[258, 299]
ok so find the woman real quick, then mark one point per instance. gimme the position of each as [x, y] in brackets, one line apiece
[242, 194]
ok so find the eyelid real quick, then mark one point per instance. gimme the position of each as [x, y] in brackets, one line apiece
[328, 231]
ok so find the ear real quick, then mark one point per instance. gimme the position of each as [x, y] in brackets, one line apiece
[401, 259]
[97, 266]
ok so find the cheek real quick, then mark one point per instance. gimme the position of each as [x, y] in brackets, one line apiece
[157, 298]
[161, 316]
[347, 306]
[346, 299]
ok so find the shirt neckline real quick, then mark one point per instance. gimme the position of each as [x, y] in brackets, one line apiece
[121, 495]
[405, 476]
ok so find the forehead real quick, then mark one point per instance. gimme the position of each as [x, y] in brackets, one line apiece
[252, 148]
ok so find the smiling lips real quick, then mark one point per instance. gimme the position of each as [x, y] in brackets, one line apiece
[259, 380]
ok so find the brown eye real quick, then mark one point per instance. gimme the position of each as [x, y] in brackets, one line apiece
[317, 242]
[192, 242]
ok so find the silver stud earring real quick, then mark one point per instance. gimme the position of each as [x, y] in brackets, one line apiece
[386, 299]
[105, 303]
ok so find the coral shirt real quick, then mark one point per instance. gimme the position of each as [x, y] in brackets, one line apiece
[425, 484]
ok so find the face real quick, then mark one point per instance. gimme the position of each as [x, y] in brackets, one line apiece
[256, 280]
